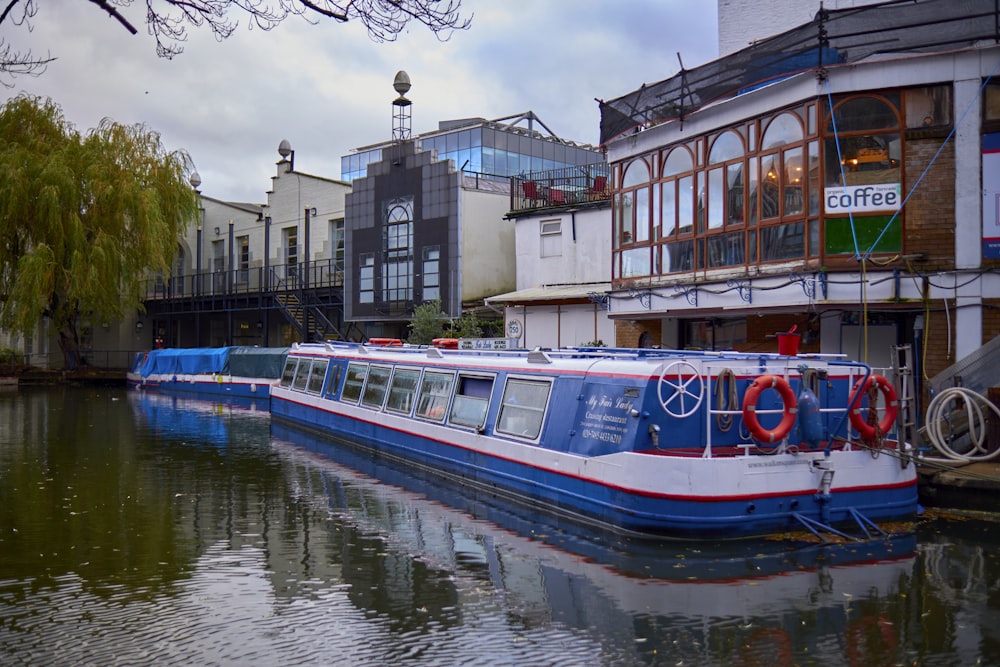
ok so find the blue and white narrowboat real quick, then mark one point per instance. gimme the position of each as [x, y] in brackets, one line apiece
[654, 442]
[238, 371]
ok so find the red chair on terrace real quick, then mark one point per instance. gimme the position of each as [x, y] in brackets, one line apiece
[599, 188]
[558, 197]
[530, 191]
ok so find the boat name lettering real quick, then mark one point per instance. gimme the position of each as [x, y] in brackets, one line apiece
[603, 401]
[771, 464]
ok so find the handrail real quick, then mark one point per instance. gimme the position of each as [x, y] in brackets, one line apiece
[322, 273]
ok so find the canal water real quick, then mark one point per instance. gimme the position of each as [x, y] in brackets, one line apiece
[137, 529]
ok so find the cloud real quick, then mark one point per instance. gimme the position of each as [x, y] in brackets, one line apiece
[327, 88]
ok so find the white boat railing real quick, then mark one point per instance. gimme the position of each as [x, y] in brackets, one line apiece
[787, 368]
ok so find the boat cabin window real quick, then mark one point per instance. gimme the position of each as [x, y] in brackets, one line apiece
[355, 380]
[472, 399]
[402, 390]
[378, 380]
[302, 374]
[316, 376]
[289, 371]
[435, 390]
[523, 407]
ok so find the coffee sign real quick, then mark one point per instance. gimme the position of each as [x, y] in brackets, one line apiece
[862, 198]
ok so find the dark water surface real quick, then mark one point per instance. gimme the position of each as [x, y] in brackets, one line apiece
[142, 530]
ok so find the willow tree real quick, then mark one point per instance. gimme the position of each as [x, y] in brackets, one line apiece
[84, 217]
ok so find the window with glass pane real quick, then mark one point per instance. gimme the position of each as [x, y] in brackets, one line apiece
[785, 241]
[642, 215]
[678, 256]
[550, 238]
[770, 169]
[302, 375]
[432, 273]
[716, 195]
[375, 387]
[725, 250]
[435, 392]
[668, 212]
[398, 268]
[635, 262]
[316, 376]
[523, 407]
[366, 278]
[793, 184]
[626, 217]
[243, 252]
[472, 400]
[337, 240]
[353, 382]
[685, 204]
[288, 373]
[402, 390]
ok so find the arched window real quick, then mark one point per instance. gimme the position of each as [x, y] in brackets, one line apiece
[783, 129]
[636, 174]
[725, 199]
[727, 146]
[633, 221]
[863, 144]
[397, 281]
[677, 212]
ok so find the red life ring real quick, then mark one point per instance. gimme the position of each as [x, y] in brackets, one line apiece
[754, 391]
[858, 420]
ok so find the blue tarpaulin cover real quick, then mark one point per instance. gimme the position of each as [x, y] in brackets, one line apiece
[189, 361]
[239, 361]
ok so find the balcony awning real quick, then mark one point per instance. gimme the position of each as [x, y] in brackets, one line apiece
[578, 293]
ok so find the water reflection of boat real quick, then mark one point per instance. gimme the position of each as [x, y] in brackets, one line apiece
[188, 418]
[559, 570]
[218, 371]
[679, 443]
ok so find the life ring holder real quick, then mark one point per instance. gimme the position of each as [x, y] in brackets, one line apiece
[789, 408]
[867, 431]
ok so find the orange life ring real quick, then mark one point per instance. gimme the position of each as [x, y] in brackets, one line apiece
[859, 422]
[385, 342]
[754, 391]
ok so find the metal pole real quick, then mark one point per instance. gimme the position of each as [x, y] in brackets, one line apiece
[229, 290]
[305, 278]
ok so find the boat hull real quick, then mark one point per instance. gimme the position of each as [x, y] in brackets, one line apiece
[649, 493]
[203, 385]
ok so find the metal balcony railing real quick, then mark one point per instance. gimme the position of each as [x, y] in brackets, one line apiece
[233, 282]
[569, 186]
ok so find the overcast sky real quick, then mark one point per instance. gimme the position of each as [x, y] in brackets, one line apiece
[327, 88]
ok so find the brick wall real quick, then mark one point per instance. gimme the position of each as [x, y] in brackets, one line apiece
[930, 210]
[627, 332]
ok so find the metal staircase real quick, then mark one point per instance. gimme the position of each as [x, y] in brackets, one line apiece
[307, 318]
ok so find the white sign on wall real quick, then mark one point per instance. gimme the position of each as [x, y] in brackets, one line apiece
[862, 198]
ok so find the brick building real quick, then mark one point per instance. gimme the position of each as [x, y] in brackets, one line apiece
[838, 178]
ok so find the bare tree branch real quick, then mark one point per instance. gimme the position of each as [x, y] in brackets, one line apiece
[113, 13]
[168, 21]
